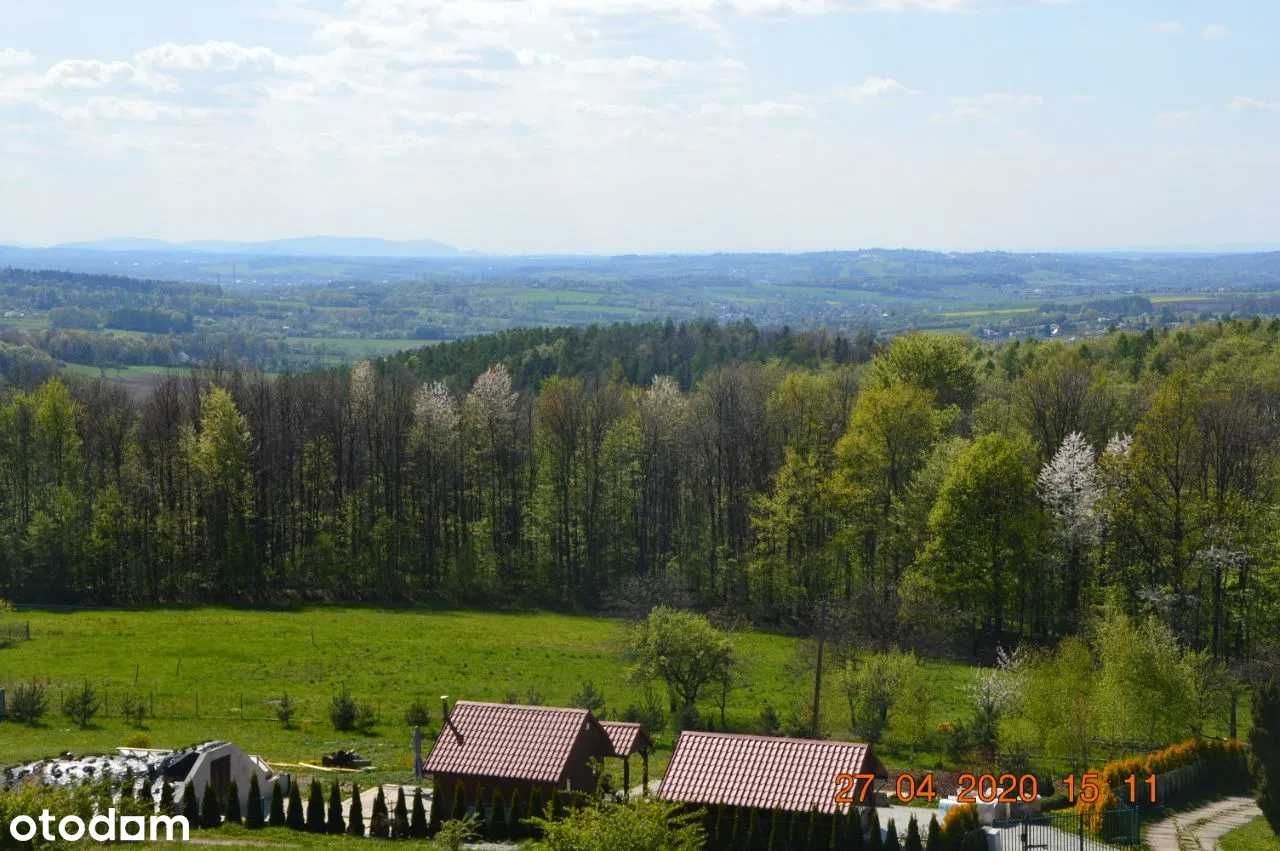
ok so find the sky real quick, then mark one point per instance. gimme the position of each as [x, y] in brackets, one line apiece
[603, 126]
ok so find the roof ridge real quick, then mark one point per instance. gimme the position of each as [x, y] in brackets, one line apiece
[763, 738]
[521, 706]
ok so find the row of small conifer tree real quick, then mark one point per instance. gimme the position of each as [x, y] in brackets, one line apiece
[743, 829]
[405, 821]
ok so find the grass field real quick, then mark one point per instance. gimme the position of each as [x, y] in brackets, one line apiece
[214, 673]
[1254, 836]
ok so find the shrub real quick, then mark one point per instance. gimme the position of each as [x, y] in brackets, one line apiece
[891, 837]
[641, 823]
[285, 710]
[400, 818]
[315, 808]
[294, 818]
[334, 823]
[137, 740]
[418, 827]
[365, 717]
[590, 698]
[378, 824]
[1264, 760]
[650, 712]
[166, 799]
[770, 723]
[875, 840]
[533, 697]
[687, 719]
[133, 709]
[455, 833]
[233, 803]
[933, 842]
[960, 823]
[913, 842]
[253, 806]
[81, 705]
[29, 702]
[190, 807]
[277, 817]
[210, 807]
[355, 818]
[342, 710]
[417, 714]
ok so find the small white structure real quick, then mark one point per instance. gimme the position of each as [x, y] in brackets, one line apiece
[218, 763]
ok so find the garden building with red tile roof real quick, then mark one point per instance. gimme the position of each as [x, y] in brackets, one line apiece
[499, 752]
[758, 791]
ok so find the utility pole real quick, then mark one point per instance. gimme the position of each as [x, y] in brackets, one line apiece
[817, 673]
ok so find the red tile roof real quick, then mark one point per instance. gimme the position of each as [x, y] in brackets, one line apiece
[501, 740]
[762, 771]
[626, 737]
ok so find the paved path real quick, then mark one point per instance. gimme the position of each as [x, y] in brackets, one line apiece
[1201, 828]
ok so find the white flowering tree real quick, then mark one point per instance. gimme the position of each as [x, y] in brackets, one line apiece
[1071, 488]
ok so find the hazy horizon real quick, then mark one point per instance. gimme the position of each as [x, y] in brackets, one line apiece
[646, 126]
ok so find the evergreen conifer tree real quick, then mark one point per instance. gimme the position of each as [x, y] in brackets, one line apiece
[233, 803]
[379, 825]
[1264, 751]
[400, 818]
[166, 798]
[875, 842]
[190, 806]
[210, 807]
[355, 818]
[933, 842]
[277, 818]
[418, 828]
[857, 841]
[891, 838]
[315, 808]
[913, 836]
[294, 817]
[253, 806]
[334, 823]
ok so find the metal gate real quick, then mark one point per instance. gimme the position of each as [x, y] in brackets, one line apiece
[1065, 830]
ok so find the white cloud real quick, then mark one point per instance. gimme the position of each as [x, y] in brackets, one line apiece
[1240, 103]
[776, 109]
[1168, 27]
[874, 87]
[15, 57]
[213, 56]
[1215, 32]
[987, 106]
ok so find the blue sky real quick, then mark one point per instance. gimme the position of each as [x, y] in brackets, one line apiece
[646, 125]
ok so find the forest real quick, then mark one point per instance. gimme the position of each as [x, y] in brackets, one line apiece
[936, 490]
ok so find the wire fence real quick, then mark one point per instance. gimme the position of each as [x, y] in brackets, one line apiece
[1069, 831]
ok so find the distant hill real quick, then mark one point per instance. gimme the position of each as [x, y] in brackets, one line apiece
[305, 246]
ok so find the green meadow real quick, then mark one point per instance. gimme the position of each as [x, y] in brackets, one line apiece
[217, 673]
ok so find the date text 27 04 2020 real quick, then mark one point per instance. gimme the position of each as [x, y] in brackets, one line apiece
[991, 788]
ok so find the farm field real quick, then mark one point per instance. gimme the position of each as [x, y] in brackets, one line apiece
[215, 673]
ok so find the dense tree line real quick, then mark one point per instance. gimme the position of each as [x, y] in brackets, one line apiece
[942, 491]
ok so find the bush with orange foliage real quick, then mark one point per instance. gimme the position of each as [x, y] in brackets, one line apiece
[1223, 757]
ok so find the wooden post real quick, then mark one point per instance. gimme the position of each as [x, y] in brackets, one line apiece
[644, 756]
[626, 777]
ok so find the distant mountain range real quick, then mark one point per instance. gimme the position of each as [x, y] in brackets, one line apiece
[305, 246]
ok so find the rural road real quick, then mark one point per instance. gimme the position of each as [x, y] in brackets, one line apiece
[1203, 827]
